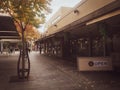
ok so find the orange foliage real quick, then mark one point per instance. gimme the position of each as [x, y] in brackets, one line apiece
[30, 32]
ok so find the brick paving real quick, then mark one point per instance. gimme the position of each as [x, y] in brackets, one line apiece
[50, 73]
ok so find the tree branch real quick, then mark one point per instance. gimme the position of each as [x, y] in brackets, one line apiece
[12, 15]
[26, 24]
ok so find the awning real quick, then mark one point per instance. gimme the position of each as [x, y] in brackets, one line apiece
[7, 28]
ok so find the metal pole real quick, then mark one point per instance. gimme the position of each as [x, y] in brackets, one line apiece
[23, 52]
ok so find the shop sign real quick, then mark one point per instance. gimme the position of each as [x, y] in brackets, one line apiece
[98, 63]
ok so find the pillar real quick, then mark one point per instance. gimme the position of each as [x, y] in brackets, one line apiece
[1, 46]
[90, 46]
[104, 46]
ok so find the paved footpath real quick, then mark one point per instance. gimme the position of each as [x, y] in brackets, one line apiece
[48, 73]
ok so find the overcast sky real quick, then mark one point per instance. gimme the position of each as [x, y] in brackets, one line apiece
[55, 5]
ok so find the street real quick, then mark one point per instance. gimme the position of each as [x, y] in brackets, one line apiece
[52, 73]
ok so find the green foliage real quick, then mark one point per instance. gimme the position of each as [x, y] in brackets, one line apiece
[19, 45]
[102, 29]
[6, 44]
[26, 11]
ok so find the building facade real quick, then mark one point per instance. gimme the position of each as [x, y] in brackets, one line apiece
[90, 29]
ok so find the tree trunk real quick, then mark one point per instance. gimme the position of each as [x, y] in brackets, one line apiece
[23, 66]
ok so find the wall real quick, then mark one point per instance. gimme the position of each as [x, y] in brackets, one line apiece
[84, 8]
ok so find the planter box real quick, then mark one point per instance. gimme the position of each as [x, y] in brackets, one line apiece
[116, 61]
[94, 63]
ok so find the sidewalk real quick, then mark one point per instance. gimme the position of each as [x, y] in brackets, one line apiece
[48, 73]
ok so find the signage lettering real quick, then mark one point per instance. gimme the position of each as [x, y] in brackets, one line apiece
[98, 63]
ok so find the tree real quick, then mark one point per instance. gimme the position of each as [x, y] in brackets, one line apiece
[103, 31]
[30, 33]
[25, 12]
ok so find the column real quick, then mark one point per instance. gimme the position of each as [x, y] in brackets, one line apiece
[90, 46]
[1, 46]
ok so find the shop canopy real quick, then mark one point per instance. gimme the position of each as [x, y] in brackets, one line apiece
[7, 28]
